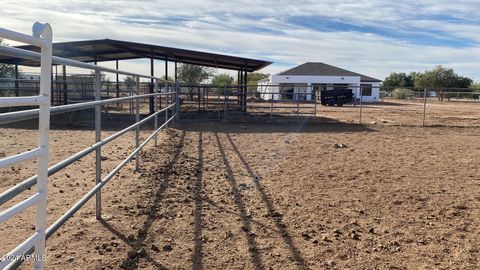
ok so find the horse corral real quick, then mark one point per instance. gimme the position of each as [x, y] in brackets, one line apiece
[247, 195]
[257, 184]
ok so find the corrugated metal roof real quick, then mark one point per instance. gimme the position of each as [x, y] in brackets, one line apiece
[110, 50]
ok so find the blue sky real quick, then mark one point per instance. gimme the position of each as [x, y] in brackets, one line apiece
[373, 37]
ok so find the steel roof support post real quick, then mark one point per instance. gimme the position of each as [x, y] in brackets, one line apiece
[245, 92]
[65, 98]
[116, 80]
[176, 71]
[167, 98]
[239, 87]
[177, 92]
[150, 103]
[166, 70]
[65, 86]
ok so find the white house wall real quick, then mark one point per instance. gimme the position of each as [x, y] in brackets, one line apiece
[269, 88]
[375, 97]
[353, 81]
[375, 92]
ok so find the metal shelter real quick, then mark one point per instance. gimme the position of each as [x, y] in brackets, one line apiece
[102, 50]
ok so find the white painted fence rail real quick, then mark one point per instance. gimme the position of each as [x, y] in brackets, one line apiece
[42, 37]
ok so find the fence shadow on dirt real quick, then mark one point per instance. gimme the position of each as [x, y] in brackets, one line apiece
[246, 221]
[197, 262]
[131, 262]
[272, 212]
[306, 125]
[85, 120]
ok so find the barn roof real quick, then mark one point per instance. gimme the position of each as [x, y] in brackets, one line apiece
[322, 69]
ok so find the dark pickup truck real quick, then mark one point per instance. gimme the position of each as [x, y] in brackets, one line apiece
[336, 97]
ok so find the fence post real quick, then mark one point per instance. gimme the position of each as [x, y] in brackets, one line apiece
[166, 119]
[155, 108]
[130, 103]
[44, 128]
[173, 99]
[424, 105]
[315, 103]
[298, 109]
[271, 104]
[137, 119]
[225, 102]
[98, 151]
[218, 104]
[361, 104]
[177, 101]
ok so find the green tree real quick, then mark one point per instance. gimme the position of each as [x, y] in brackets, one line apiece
[399, 80]
[222, 80]
[130, 82]
[441, 79]
[253, 79]
[193, 75]
[475, 86]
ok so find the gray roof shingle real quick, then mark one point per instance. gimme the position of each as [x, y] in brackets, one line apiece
[322, 69]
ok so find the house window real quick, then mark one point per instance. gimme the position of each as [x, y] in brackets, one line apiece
[366, 90]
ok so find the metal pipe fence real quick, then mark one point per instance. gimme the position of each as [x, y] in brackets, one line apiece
[43, 37]
[370, 104]
[229, 101]
[76, 88]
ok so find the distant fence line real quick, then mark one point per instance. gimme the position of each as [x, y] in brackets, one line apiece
[229, 102]
[210, 102]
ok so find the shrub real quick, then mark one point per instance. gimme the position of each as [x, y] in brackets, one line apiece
[402, 93]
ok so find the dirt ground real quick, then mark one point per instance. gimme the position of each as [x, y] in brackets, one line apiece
[265, 196]
[390, 112]
[410, 113]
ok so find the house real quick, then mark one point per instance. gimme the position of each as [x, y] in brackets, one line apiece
[298, 83]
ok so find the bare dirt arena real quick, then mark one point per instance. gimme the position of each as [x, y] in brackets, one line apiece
[265, 196]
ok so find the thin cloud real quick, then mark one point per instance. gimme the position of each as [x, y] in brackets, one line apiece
[374, 37]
